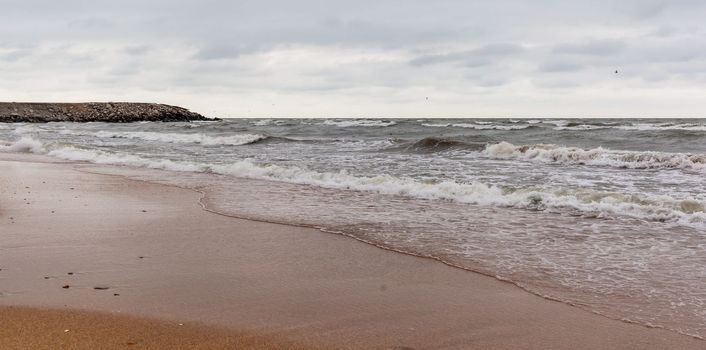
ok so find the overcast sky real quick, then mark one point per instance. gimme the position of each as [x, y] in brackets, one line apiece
[388, 58]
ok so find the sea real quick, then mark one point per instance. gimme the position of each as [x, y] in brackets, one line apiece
[608, 215]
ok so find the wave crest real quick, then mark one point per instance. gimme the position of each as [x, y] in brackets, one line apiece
[206, 140]
[690, 211]
[434, 144]
[358, 123]
[25, 144]
[479, 125]
[597, 156]
[686, 211]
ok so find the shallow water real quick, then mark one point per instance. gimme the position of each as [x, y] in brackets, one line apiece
[605, 214]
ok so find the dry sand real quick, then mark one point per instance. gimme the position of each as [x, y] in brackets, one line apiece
[225, 278]
[24, 328]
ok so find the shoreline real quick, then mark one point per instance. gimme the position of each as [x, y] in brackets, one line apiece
[204, 206]
[461, 307]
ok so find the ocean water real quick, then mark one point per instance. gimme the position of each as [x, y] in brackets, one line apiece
[607, 215]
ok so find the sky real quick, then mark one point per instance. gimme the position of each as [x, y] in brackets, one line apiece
[383, 58]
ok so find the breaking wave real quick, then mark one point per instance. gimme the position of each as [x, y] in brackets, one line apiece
[206, 140]
[491, 126]
[663, 126]
[478, 125]
[358, 123]
[597, 125]
[581, 127]
[689, 211]
[597, 156]
[432, 125]
[25, 144]
[434, 144]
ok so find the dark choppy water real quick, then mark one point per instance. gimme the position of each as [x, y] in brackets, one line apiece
[605, 214]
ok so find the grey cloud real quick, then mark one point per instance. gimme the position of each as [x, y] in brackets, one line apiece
[674, 51]
[15, 55]
[218, 52]
[555, 83]
[498, 49]
[645, 9]
[310, 47]
[592, 47]
[433, 59]
[492, 82]
[475, 61]
[125, 70]
[477, 57]
[664, 31]
[90, 23]
[559, 67]
[138, 50]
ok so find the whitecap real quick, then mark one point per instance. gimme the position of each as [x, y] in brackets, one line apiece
[548, 153]
[206, 140]
[345, 123]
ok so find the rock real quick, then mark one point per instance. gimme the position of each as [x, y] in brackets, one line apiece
[114, 112]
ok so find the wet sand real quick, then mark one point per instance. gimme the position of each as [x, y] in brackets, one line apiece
[172, 262]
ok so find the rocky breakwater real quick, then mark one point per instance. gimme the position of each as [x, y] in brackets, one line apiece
[110, 112]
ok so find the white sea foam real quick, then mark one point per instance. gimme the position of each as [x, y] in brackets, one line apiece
[266, 122]
[24, 129]
[559, 123]
[597, 156]
[263, 122]
[662, 126]
[490, 126]
[25, 144]
[582, 127]
[206, 140]
[362, 122]
[688, 211]
[432, 125]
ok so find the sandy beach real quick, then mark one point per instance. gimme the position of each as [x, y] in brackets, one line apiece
[120, 262]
